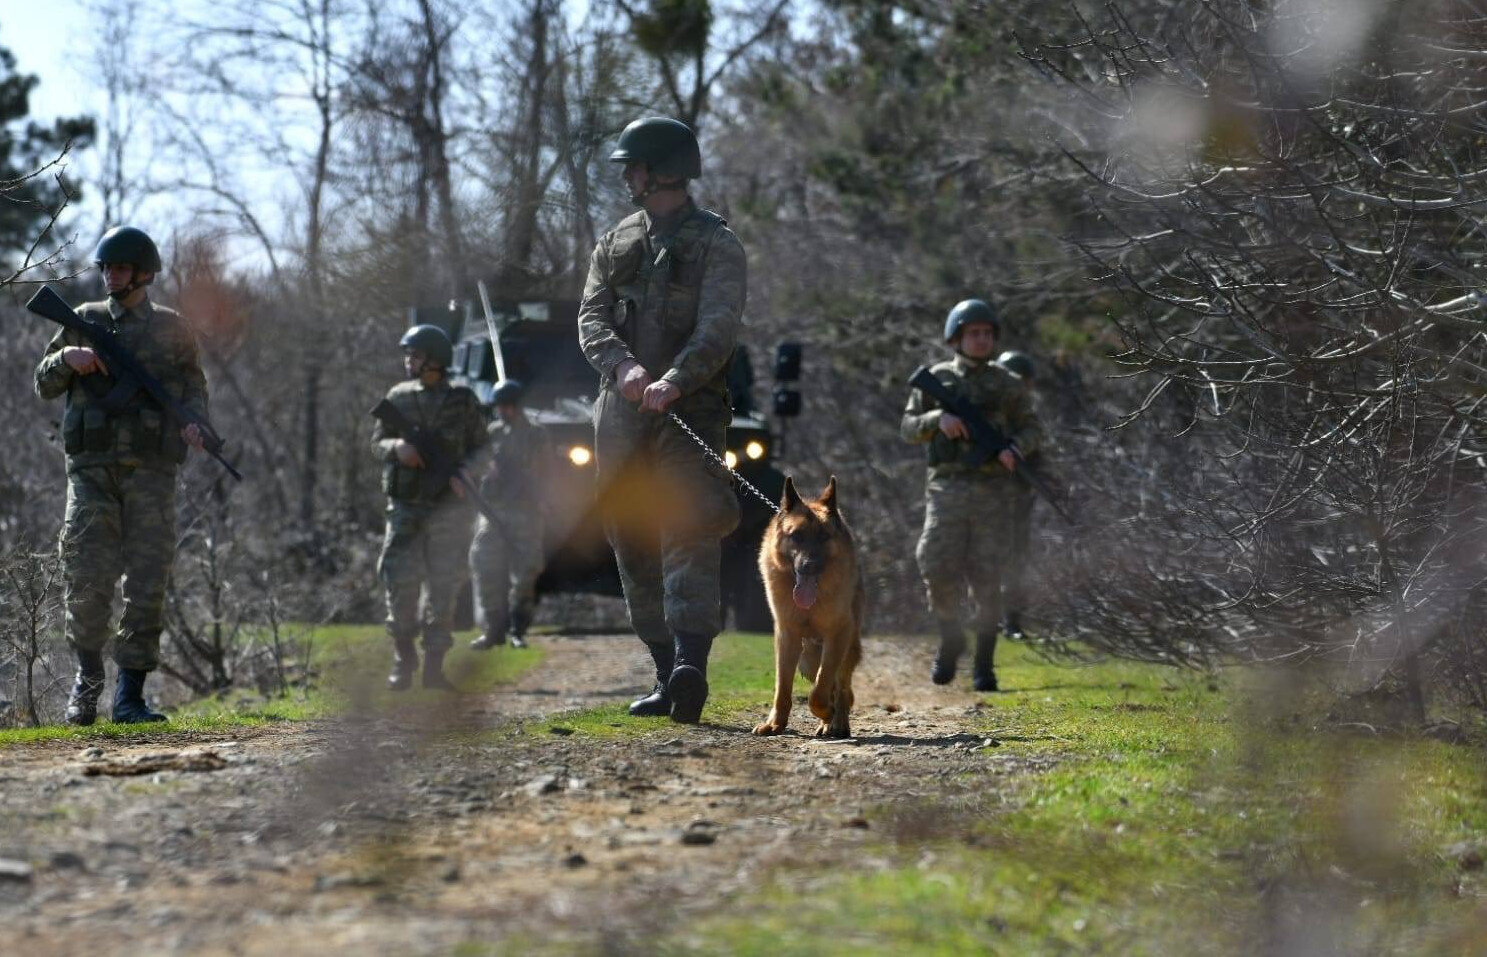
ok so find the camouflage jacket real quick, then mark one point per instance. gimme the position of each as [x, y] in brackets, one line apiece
[520, 451]
[1001, 399]
[139, 433]
[452, 413]
[668, 294]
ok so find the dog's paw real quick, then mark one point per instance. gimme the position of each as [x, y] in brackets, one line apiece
[823, 730]
[820, 707]
[768, 728]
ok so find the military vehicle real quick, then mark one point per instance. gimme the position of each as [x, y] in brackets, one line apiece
[539, 347]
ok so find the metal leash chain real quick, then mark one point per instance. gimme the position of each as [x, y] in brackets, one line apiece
[708, 449]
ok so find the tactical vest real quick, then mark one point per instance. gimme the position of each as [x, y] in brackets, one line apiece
[100, 426]
[446, 418]
[990, 393]
[514, 452]
[657, 285]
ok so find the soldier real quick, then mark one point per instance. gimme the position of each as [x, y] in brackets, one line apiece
[1014, 580]
[506, 557]
[428, 532]
[660, 315]
[968, 509]
[122, 455]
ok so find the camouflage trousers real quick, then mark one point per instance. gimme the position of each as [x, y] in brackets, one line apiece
[424, 557]
[666, 510]
[966, 546]
[1019, 547]
[505, 560]
[120, 523]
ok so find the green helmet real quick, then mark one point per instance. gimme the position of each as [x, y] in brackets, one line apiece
[667, 146]
[1019, 364]
[432, 341]
[508, 392]
[125, 244]
[967, 311]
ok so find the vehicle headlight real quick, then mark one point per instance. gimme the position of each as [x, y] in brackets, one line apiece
[731, 458]
[580, 455]
[755, 449]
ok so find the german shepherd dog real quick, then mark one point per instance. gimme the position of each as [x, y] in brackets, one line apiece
[809, 565]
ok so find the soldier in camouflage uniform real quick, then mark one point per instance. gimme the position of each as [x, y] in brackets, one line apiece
[121, 476]
[660, 315]
[1014, 579]
[428, 534]
[507, 556]
[968, 510]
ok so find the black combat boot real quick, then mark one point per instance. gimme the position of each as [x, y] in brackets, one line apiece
[1013, 627]
[952, 646]
[129, 699]
[433, 671]
[404, 664]
[657, 704]
[688, 683]
[983, 668]
[87, 688]
[493, 638]
[520, 621]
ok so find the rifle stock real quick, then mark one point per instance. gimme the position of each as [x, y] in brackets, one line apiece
[987, 438]
[129, 375]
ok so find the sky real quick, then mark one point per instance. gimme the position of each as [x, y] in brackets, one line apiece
[53, 39]
[50, 39]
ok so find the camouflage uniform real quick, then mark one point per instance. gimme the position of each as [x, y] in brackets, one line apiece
[427, 539]
[507, 556]
[969, 511]
[121, 480]
[668, 294]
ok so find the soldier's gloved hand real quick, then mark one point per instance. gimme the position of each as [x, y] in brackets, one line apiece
[1008, 460]
[633, 380]
[953, 427]
[408, 454]
[193, 437]
[83, 361]
[659, 396]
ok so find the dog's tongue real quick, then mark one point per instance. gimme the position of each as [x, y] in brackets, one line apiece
[804, 593]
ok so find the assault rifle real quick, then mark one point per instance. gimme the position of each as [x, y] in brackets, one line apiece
[987, 439]
[126, 376]
[439, 463]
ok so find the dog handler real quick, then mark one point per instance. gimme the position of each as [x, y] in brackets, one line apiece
[660, 315]
[969, 510]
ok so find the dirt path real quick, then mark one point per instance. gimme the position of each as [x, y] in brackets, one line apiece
[394, 836]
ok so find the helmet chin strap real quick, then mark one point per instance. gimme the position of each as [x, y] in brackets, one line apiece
[652, 187]
[119, 295]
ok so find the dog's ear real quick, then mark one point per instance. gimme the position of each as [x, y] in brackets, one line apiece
[828, 497]
[791, 498]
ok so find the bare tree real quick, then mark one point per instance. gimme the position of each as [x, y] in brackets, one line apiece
[691, 53]
[30, 636]
[1300, 276]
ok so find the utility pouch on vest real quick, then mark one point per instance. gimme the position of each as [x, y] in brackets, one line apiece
[171, 442]
[146, 436]
[72, 429]
[401, 482]
[97, 436]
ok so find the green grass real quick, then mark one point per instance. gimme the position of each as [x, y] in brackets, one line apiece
[1175, 801]
[740, 675]
[350, 661]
